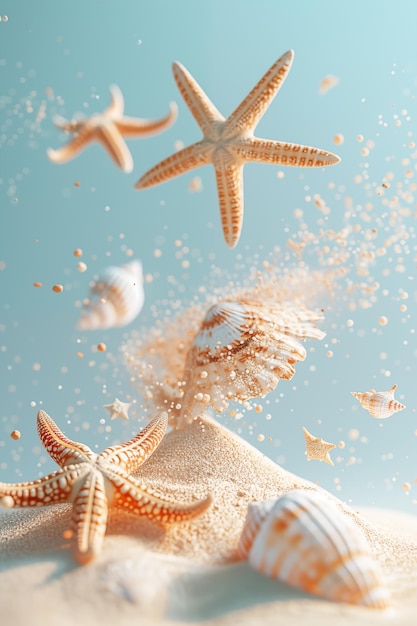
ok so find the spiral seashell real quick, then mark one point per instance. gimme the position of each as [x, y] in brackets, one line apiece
[241, 351]
[116, 298]
[380, 404]
[306, 542]
[255, 517]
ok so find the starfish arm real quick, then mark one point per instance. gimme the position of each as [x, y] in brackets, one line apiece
[130, 455]
[117, 104]
[72, 148]
[112, 141]
[292, 154]
[230, 192]
[89, 518]
[203, 110]
[138, 127]
[51, 489]
[251, 109]
[133, 497]
[189, 158]
[62, 450]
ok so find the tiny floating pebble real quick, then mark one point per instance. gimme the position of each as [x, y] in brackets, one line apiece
[101, 347]
[37, 284]
[15, 434]
[338, 139]
[81, 267]
[78, 252]
[383, 321]
[58, 288]
[76, 184]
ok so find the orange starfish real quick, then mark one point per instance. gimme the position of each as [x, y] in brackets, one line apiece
[93, 482]
[230, 143]
[109, 128]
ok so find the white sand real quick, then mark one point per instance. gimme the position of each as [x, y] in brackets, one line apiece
[187, 572]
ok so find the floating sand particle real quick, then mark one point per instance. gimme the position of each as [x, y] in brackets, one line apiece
[58, 288]
[382, 320]
[78, 252]
[359, 138]
[37, 284]
[341, 444]
[80, 355]
[338, 139]
[76, 184]
[196, 184]
[280, 174]
[101, 347]
[261, 437]
[329, 354]
[406, 487]
[15, 434]
[81, 267]
[353, 434]
[328, 82]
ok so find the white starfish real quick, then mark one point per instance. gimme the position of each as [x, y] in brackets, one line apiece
[118, 409]
[108, 128]
[230, 143]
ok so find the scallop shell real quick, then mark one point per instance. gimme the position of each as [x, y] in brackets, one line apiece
[116, 298]
[380, 404]
[306, 542]
[241, 351]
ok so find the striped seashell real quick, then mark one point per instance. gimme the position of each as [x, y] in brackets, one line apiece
[241, 351]
[256, 515]
[380, 404]
[306, 542]
[116, 298]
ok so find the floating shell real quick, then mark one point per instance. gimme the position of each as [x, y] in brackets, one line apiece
[116, 298]
[380, 404]
[241, 351]
[306, 542]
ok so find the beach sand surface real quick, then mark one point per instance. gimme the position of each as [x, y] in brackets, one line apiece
[188, 573]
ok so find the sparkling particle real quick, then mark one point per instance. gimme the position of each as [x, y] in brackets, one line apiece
[353, 434]
[58, 288]
[261, 437]
[383, 320]
[101, 347]
[338, 139]
[81, 267]
[15, 434]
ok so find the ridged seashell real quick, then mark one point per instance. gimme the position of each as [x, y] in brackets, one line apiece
[306, 542]
[242, 350]
[256, 515]
[116, 298]
[380, 404]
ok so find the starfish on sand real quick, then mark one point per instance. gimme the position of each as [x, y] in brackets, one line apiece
[94, 482]
[317, 449]
[118, 409]
[229, 143]
[109, 128]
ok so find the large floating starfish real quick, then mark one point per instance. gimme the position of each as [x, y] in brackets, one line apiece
[94, 482]
[229, 143]
[109, 128]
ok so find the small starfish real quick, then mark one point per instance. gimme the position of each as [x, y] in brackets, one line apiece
[317, 449]
[109, 128]
[93, 482]
[118, 409]
[229, 143]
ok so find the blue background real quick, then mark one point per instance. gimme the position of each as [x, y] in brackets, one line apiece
[77, 50]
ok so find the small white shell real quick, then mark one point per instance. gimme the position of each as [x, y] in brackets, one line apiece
[241, 351]
[306, 542]
[380, 404]
[116, 298]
